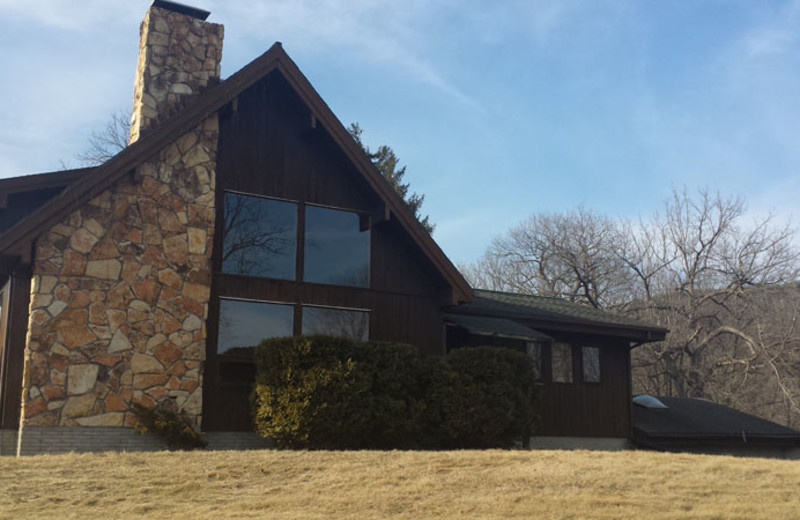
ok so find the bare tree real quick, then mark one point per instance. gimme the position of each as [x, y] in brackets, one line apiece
[696, 268]
[724, 326]
[569, 255]
[105, 144]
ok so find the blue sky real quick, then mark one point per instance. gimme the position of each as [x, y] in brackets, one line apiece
[498, 109]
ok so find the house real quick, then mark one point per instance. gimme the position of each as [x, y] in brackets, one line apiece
[699, 426]
[243, 209]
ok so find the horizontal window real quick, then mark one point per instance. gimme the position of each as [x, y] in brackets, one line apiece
[243, 324]
[261, 236]
[348, 323]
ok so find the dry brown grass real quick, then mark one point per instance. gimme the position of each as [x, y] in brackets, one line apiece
[364, 485]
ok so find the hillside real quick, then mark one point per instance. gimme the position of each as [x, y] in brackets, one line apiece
[444, 485]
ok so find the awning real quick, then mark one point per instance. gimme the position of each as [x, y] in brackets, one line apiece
[497, 327]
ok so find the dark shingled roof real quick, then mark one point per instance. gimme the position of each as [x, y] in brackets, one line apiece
[500, 327]
[698, 421]
[551, 310]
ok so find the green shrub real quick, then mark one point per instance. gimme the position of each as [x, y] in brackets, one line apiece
[484, 399]
[396, 400]
[308, 392]
[323, 392]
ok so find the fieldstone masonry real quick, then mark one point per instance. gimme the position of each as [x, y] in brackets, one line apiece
[120, 287]
[179, 57]
[120, 295]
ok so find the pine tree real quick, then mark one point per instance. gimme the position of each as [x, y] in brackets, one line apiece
[385, 160]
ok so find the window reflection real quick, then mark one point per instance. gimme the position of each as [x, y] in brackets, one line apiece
[336, 247]
[535, 353]
[260, 237]
[591, 364]
[561, 355]
[243, 324]
[353, 324]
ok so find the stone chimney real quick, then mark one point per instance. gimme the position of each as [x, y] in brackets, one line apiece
[179, 57]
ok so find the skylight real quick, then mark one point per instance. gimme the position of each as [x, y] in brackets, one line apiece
[648, 401]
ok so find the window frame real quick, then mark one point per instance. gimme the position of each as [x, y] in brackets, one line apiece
[298, 234]
[584, 379]
[568, 348]
[221, 299]
[535, 350]
[301, 228]
[368, 313]
[302, 239]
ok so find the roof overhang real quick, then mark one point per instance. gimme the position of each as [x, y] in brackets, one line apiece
[638, 334]
[495, 327]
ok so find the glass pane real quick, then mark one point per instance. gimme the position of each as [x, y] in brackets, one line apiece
[591, 364]
[243, 324]
[336, 247]
[260, 237]
[535, 353]
[336, 322]
[562, 362]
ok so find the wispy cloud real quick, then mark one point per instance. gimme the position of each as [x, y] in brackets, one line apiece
[70, 15]
[777, 35]
[388, 34]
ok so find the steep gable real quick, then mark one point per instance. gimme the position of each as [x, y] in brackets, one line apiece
[16, 241]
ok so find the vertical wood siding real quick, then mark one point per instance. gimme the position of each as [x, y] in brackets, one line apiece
[269, 146]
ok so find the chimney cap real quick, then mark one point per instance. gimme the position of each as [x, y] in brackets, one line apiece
[194, 12]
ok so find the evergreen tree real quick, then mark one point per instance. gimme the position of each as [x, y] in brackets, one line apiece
[386, 162]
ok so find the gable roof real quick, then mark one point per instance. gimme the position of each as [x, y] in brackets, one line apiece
[16, 241]
[686, 420]
[540, 311]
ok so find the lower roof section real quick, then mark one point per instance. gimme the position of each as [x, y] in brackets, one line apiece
[495, 327]
[538, 312]
[691, 422]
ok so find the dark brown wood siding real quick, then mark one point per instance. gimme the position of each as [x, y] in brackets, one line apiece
[18, 298]
[575, 409]
[271, 146]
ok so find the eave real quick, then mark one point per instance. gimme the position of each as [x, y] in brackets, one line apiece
[640, 334]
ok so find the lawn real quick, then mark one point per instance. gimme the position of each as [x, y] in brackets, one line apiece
[365, 485]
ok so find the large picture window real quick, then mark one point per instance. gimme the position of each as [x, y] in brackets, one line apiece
[561, 356]
[260, 236]
[349, 323]
[336, 247]
[243, 324]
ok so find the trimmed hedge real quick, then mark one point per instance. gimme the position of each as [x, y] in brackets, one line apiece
[322, 392]
[482, 398]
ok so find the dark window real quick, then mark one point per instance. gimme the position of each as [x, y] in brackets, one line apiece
[5, 291]
[336, 247]
[243, 324]
[349, 323]
[260, 237]
[591, 364]
[535, 353]
[561, 356]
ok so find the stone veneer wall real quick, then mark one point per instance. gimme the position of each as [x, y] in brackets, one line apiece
[179, 57]
[120, 292]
